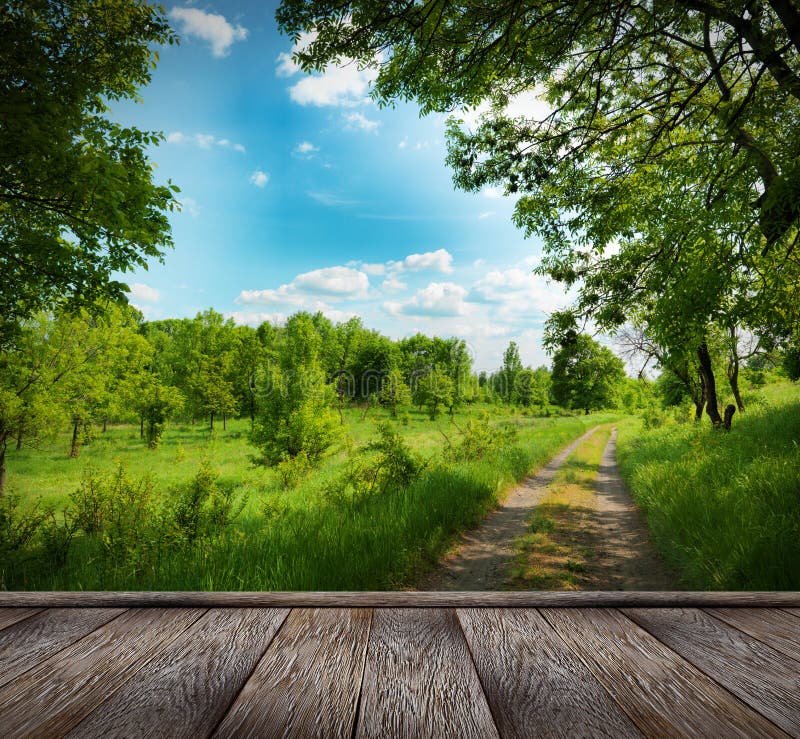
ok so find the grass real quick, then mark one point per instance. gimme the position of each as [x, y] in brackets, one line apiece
[556, 554]
[723, 508]
[297, 539]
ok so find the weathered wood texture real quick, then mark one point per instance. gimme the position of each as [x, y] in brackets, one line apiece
[409, 599]
[185, 691]
[422, 672]
[10, 616]
[663, 694]
[309, 680]
[534, 683]
[419, 679]
[774, 627]
[55, 696]
[759, 675]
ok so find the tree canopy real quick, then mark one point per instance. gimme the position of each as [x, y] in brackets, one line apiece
[661, 169]
[77, 197]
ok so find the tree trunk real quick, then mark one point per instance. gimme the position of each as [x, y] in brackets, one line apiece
[19, 436]
[105, 425]
[141, 427]
[729, 411]
[700, 401]
[2, 465]
[707, 372]
[75, 449]
[733, 379]
[212, 421]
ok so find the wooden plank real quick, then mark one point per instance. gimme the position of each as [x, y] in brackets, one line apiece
[186, 689]
[27, 643]
[535, 685]
[660, 691]
[779, 629]
[419, 679]
[308, 682]
[759, 675]
[793, 611]
[53, 697]
[9, 616]
[529, 599]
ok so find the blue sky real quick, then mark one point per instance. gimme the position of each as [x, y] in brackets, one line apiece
[300, 193]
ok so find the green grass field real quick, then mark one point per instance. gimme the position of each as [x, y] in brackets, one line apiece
[723, 508]
[284, 539]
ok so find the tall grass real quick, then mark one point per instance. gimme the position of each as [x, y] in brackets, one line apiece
[723, 508]
[302, 539]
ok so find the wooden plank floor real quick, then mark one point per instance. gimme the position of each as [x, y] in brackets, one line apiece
[402, 664]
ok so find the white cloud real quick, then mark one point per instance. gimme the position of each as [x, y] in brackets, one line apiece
[345, 84]
[372, 269]
[342, 281]
[140, 291]
[259, 178]
[209, 27]
[360, 122]
[518, 293]
[492, 193]
[438, 299]
[203, 140]
[486, 214]
[479, 263]
[440, 260]
[392, 284]
[404, 143]
[305, 149]
[255, 318]
[334, 283]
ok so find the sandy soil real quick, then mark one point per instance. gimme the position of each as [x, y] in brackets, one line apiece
[624, 558]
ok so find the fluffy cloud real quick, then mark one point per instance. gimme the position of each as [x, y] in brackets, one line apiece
[140, 291]
[345, 84]
[392, 284]
[517, 293]
[437, 299]
[335, 283]
[360, 122]
[202, 140]
[492, 193]
[209, 27]
[259, 178]
[256, 318]
[305, 149]
[440, 261]
[190, 206]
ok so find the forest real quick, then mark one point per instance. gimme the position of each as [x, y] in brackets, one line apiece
[193, 453]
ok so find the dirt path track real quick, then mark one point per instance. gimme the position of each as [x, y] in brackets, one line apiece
[482, 559]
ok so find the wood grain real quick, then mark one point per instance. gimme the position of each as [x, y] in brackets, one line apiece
[662, 693]
[186, 689]
[534, 683]
[9, 616]
[27, 643]
[308, 682]
[53, 697]
[759, 675]
[419, 679]
[793, 611]
[529, 599]
[774, 627]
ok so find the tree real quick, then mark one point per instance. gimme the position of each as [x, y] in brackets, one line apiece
[512, 366]
[433, 391]
[293, 413]
[660, 167]
[394, 392]
[586, 374]
[532, 387]
[77, 199]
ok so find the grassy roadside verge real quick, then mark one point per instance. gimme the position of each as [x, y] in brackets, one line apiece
[311, 542]
[723, 509]
[556, 552]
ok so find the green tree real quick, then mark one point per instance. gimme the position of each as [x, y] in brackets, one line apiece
[77, 199]
[532, 387]
[434, 391]
[586, 374]
[394, 392]
[512, 366]
[294, 413]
